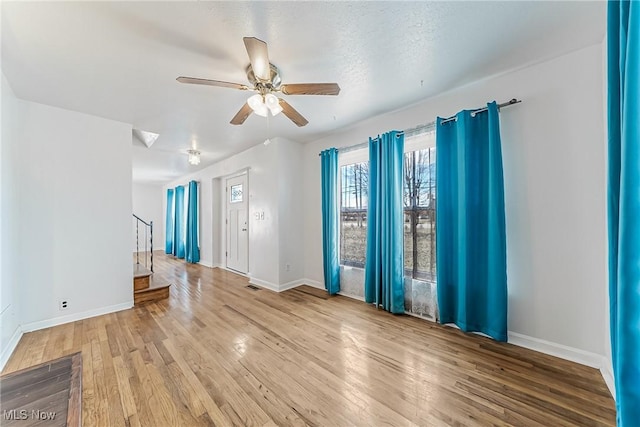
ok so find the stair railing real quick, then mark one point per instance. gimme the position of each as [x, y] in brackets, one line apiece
[148, 240]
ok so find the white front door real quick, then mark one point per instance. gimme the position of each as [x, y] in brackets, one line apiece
[237, 224]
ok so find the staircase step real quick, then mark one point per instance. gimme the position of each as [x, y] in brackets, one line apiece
[154, 293]
[140, 283]
[140, 270]
[141, 276]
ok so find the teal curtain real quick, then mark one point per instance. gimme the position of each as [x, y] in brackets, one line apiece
[384, 263]
[471, 254]
[330, 221]
[168, 235]
[623, 44]
[178, 223]
[192, 250]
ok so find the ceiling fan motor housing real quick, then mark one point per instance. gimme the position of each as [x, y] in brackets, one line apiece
[265, 86]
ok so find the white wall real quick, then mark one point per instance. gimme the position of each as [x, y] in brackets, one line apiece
[291, 208]
[10, 305]
[263, 197]
[275, 189]
[71, 178]
[147, 204]
[555, 199]
[607, 369]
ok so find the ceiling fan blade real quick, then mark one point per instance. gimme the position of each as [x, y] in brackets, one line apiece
[311, 89]
[293, 115]
[196, 81]
[242, 115]
[259, 57]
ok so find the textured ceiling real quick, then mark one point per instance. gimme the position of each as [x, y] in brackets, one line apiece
[119, 60]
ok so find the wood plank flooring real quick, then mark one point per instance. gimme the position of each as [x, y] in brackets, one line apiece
[219, 353]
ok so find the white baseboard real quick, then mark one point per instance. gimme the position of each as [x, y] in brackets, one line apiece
[10, 347]
[222, 267]
[319, 285]
[206, 263]
[285, 286]
[554, 349]
[48, 323]
[356, 297]
[291, 285]
[312, 283]
[264, 284]
[606, 369]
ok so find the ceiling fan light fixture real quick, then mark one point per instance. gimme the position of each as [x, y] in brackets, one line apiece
[257, 105]
[194, 157]
[275, 110]
[273, 103]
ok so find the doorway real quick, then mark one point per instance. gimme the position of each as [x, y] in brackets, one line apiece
[237, 224]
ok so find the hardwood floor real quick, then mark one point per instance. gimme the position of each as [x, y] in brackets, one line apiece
[219, 353]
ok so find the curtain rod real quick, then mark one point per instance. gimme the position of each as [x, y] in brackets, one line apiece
[428, 126]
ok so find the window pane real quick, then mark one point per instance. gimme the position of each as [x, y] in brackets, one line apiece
[354, 192]
[419, 214]
[236, 193]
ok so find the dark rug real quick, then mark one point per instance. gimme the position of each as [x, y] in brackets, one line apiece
[49, 394]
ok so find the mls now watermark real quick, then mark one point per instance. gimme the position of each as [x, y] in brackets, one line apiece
[23, 414]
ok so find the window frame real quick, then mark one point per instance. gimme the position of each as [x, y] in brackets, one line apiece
[420, 141]
[359, 155]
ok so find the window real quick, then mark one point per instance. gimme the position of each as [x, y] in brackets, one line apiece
[419, 198]
[236, 193]
[420, 209]
[354, 192]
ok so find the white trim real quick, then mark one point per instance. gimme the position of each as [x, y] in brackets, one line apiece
[356, 297]
[10, 347]
[313, 283]
[291, 285]
[48, 323]
[358, 155]
[223, 267]
[244, 171]
[285, 286]
[319, 285]
[607, 373]
[554, 349]
[264, 284]
[206, 263]
[417, 316]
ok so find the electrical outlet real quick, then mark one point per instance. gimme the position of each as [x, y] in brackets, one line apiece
[64, 305]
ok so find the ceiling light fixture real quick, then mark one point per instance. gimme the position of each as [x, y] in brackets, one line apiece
[261, 105]
[194, 157]
[273, 103]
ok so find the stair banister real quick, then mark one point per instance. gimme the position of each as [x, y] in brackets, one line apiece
[148, 239]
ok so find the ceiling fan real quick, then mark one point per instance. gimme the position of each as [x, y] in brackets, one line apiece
[265, 80]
